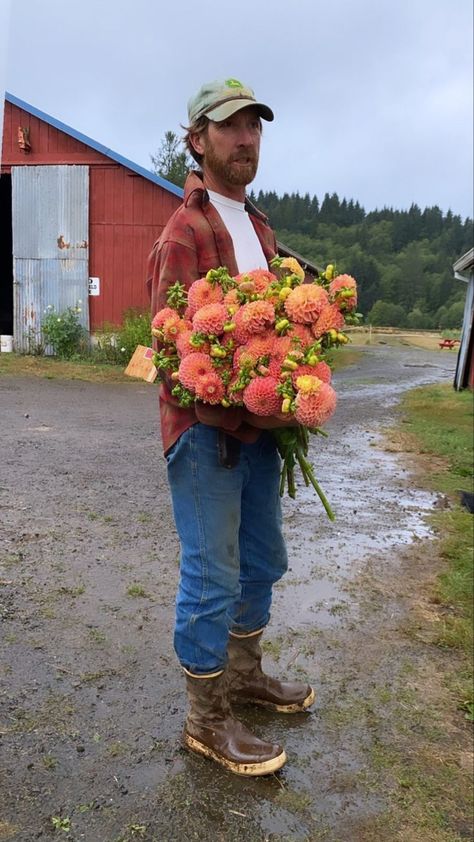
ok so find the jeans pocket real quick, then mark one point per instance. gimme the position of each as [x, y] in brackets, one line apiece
[171, 451]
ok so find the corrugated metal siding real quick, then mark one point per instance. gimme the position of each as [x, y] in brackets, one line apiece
[464, 375]
[50, 246]
[127, 213]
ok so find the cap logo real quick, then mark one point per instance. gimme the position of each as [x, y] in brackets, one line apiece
[233, 83]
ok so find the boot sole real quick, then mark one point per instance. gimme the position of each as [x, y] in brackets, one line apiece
[266, 767]
[297, 707]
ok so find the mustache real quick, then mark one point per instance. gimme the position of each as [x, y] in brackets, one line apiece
[249, 157]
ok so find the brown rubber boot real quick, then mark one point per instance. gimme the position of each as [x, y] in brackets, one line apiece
[211, 730]
[248, 684]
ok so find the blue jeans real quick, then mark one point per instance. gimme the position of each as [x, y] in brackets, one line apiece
[232, 549]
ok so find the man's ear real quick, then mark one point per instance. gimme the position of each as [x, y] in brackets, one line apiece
[196, 142]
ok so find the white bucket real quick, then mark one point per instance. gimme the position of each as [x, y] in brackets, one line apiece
[6, 343]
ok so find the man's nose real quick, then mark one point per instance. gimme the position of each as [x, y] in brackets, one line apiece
[246, 137]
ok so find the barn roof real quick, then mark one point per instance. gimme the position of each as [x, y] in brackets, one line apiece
[465, 262]
[99, 147]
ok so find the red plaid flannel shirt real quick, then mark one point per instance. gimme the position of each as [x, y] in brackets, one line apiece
[194, 241]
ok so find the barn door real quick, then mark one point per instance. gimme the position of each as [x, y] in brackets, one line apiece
[50, 222]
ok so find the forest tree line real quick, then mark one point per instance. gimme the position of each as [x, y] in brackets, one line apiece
[402, 259]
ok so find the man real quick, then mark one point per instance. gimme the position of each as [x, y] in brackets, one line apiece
[223, 466]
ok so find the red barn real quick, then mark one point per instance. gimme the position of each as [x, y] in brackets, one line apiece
[77, 222]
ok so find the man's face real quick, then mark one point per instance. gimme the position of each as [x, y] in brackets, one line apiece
[231, 148]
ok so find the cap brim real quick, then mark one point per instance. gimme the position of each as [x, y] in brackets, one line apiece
[222, 112]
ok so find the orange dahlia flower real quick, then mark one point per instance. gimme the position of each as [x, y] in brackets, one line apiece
[330, 318]
[192, 367]
[210, 388]
[200, 293]
[210, 319]
[344, 282]
[313, 409]
[260, 396]
[305, 303]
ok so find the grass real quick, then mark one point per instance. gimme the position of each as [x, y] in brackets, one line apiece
[439, 422]
[51, 368]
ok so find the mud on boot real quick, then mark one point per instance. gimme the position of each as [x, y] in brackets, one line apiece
[211, 730]
[248, 684]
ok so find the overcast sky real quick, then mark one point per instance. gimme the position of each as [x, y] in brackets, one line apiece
[372, 98]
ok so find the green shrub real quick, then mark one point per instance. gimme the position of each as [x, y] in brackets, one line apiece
[135, 330]
[117, 343]
[63, 332]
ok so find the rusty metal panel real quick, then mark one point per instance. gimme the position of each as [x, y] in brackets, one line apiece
[50, 220]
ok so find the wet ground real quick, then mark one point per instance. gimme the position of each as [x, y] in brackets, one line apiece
[92, 702]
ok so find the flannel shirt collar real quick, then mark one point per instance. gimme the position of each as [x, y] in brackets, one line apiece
[196, 193]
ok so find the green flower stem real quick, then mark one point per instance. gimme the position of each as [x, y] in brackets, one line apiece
[292, 443]
[307, 472]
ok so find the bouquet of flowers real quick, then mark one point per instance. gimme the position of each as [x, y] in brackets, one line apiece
[260, 340]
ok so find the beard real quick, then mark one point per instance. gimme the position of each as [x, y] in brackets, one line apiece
[240, 169]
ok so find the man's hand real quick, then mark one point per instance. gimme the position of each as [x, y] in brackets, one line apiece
[218, 416]
[267, 422]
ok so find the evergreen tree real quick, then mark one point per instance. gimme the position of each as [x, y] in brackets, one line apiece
[170, 162]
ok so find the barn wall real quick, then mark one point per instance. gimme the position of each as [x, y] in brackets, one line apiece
[127, 212]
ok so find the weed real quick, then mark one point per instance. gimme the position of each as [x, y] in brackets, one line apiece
[97, 635]
[49, 762]
[71, 591]
[7, 830]
[117, 749]
[61, 824]
[297, 802]
[136, 590]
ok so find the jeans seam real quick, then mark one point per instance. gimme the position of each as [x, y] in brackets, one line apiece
[202, 540]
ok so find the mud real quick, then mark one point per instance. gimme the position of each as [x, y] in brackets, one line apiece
[92, 702]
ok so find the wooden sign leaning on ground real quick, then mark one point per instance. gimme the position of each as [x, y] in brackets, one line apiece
[141, 365]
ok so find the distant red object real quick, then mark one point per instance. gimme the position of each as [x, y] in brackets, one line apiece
[448, 343]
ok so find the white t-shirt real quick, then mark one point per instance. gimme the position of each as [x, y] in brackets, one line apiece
[248, 251]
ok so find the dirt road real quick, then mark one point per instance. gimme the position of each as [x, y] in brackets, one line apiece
[92, 702]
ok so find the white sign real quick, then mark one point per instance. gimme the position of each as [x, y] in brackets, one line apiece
[94, 286]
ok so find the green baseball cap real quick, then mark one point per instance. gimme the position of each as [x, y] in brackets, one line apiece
[219, 100]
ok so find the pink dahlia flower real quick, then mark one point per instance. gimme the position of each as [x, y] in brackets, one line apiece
[313, 409]
[261, 279]
[210, 319]
[185, 347]
[240, 333]
[260, 396]
[162, 315]
[330, 318]
[192, 367]
[344, 282]
[202, 292]
[305, 303]
[303, 334]
[210, 388]
[257, 316]
[231, 299]
[282, 345]
[261, 344]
